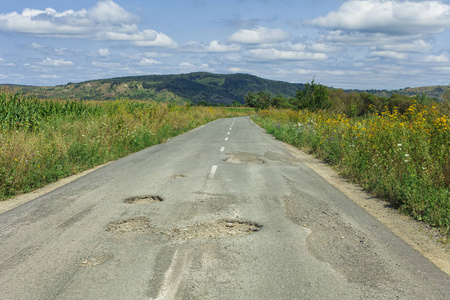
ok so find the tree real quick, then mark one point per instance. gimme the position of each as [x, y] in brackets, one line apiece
[260, 100]
[203, 103]
[235, 104]
[280, 101]
[314, 96]
[250, 99]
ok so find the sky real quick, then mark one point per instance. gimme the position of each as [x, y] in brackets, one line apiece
[364, 44]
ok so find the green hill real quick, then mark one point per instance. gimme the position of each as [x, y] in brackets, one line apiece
[194, 87]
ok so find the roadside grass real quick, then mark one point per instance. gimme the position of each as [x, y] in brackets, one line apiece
[402, 158]
[42, 141]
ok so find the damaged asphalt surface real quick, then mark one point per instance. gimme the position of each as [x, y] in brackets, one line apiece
[221, 212]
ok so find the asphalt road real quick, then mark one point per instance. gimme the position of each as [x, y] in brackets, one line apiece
[221, 212]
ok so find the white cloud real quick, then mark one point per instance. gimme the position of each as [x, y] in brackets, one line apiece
[3, 62]
[436, 59]
[342, 38]
[417, 46]
[105, 21]
[239, 70]
[3, 76]
[387, 16]
[106, 64]
[274, 54]
[145, 38]
[160, 40]
[215, 46]
[62, 51]
[186, 64]
[260, 35]
[48, 62]
[106, 11]
[103, 52]
[49, 76]
[36, 46]
[158, 54]
[442, 69]
[389, 54]
[323, 48]
[148, 61]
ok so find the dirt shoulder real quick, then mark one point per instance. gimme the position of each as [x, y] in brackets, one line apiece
[418, 235]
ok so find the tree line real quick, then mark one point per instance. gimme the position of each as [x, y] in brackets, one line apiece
[316, 96]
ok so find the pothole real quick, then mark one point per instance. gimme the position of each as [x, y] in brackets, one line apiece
[245, 158]
[135, 225]
[94, 260]
[215, 229]
[144, 199]
[208, 230]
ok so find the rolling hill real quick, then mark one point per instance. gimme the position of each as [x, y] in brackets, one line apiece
[194, 87]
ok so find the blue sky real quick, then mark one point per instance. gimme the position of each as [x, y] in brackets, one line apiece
[364, 44]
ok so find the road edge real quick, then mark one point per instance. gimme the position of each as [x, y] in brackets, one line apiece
[418, 235]
[9, 204]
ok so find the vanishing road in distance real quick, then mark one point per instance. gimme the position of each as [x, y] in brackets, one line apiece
[221, 212]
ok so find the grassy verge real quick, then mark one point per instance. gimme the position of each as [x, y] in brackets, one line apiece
[404, 159]
[42, 141]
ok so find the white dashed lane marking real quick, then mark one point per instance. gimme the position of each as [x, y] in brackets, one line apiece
[213, 171]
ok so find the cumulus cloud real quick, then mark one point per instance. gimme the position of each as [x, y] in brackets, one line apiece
[260, 35]
[389, 54]
[436, 59]
[186, 64]
[387, 16]
[48, 62]
[105, 21]
[158, 54]
[239, 70]
[342, 38]
[3, 62]
[36, 46]
[213, 47]
[418, 46]
[323, 48]
[49, 76]
[275, 54]
[145, 38]
[103, 52]
[148, 61]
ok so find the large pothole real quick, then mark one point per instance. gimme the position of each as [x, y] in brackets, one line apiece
[144, 199]
[214, 230]
[208, 230]
[245, 158]
[135, 225]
